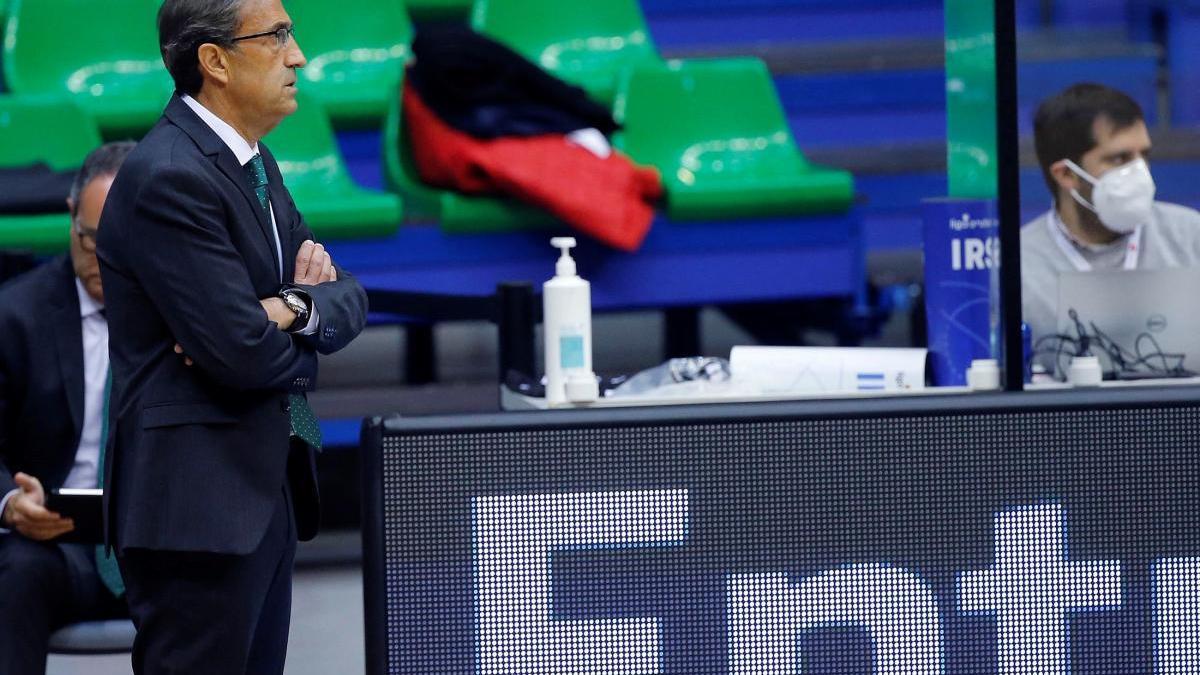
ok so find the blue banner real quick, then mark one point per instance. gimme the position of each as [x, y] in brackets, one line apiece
[962, 257]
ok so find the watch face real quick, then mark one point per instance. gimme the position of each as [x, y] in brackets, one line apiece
[297, 305]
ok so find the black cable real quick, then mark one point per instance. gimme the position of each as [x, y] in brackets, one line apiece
[1084, 342]
[1125, 361]
[1146, 359]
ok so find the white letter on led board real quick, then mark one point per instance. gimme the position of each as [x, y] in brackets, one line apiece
[514, 537]
[1031, 588]
[767, 615]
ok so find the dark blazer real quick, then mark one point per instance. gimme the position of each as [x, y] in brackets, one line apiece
[41, 375]
[200, 453]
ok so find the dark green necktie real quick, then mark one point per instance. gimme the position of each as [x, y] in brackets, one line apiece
[106, 564]
[304, 422]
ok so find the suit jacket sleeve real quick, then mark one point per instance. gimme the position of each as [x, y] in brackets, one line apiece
[14, 382]
[341, 304]
[199, 283]
[6, 480]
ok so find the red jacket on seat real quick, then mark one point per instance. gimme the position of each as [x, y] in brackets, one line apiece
[610, 199]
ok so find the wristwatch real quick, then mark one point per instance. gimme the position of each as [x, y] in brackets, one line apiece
[298, 303]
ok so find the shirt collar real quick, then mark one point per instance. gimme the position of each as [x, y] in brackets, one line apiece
[87, 304]
[1083, 246]
[241, 149]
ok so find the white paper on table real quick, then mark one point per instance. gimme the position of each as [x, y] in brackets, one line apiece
[791, 370]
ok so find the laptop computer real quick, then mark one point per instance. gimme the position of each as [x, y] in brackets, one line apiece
[1140, 323]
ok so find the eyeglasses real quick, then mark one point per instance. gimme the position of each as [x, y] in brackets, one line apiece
[87, 238]
[282, 36]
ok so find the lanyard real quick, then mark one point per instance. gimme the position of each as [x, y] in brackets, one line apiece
[1056, 232]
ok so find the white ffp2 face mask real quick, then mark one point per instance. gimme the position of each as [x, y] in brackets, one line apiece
[1123, 197]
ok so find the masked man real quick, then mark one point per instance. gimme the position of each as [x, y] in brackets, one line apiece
[1093, 147]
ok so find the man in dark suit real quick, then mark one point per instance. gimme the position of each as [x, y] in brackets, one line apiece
[210, 473]
[53, 372]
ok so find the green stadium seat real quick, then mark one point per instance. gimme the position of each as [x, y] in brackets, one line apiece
[717, 132]
[454, 211]
[333, 205]
[46, 233]
[355, 58]
[3, 16]
[45, 129]
[587, 43]
[103, 55]
[42, 129]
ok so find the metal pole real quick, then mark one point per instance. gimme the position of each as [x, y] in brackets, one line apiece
[1009, 192]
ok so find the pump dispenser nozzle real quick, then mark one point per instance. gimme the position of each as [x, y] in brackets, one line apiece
[565, 266]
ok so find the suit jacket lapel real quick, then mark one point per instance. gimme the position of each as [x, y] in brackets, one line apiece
[68, 339]
[211, 145]
[229, 166]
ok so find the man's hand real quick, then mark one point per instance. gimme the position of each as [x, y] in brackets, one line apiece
[278, 311]
[313, 265]
[26, 512]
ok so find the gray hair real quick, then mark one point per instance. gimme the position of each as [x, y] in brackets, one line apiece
[105, 160]
[184, 25]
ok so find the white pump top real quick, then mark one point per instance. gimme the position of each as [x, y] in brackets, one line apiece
[565, 266]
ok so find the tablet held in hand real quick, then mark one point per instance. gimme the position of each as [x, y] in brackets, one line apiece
[85, 507]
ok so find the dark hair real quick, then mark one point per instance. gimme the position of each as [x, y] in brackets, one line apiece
[184, 25]
[105, 160]
[1064, 126]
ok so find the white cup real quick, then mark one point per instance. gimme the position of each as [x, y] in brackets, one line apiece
[1085, 371]
[983, 375]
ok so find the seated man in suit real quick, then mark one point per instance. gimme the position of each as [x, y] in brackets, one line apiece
[53, 372]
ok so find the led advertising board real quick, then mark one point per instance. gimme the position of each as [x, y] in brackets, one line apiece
[1004, 534]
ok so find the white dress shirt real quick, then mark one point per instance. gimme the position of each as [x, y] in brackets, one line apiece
[244, 152]
[86, 472]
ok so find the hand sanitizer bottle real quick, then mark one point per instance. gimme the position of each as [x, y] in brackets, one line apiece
[567, 327]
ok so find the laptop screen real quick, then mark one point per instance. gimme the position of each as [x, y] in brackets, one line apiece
[1140, 323]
